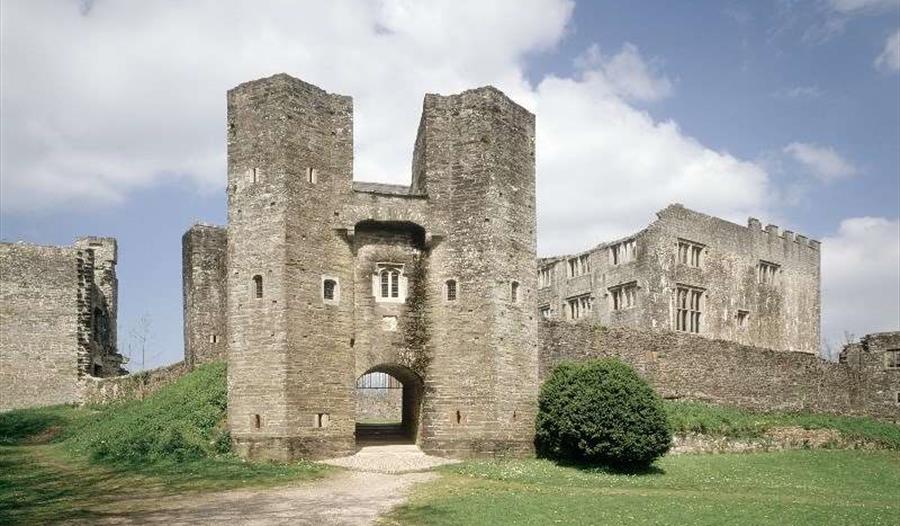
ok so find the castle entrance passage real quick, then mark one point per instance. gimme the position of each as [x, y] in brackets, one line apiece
[388, 405]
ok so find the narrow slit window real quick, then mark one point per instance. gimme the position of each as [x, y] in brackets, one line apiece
[257, 422]
[258, 285]
[328, 289]
[451, 290]
[312, 175]
[514, 291]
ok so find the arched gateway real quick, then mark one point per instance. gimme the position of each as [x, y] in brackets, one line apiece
[388, 405]
[328, 279]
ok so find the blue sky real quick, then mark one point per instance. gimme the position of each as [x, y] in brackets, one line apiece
[113, 120]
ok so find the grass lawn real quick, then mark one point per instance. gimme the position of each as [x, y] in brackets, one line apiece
[813, 487]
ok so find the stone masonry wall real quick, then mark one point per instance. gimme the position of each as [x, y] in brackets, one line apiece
[38, 325]
[203, 278]
[722, 372]
[135, 386]
[379, 405]
[58, 310]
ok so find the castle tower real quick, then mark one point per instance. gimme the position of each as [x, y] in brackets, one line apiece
[290, 155]
[474, 158]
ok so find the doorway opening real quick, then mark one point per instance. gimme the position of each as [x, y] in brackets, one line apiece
[388, 403]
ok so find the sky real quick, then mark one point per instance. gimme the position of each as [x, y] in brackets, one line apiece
[113, 121]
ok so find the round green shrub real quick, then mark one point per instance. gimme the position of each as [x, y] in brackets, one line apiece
[600, 412]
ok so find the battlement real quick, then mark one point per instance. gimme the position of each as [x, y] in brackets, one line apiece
[754, 225]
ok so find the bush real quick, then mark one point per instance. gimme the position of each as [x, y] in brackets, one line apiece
[600, 412]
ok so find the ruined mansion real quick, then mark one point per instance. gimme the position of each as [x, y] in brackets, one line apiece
[319, 280]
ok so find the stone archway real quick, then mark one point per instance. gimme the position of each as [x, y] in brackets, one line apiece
[382, 415]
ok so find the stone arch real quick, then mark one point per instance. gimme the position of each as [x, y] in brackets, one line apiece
[413, 389]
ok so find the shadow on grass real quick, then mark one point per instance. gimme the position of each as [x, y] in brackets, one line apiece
[609, 469]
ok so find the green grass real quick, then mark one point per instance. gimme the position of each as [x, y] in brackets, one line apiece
[730, 422]
[65, 462]
[789, 487]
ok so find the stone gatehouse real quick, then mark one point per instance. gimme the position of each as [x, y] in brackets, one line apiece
[327, 279]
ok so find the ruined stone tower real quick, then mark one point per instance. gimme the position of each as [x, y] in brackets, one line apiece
[328, 279]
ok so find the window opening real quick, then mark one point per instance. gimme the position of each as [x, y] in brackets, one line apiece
[579, 307]
[312, 175]
[451, 290]
[743, 316]
[579, 265]
[892, 359]
[258, 285]
[687, 309]
[766, 272]
[328, 287]
[623, 252]
[690, 253]
[623, 296]
[514, 291]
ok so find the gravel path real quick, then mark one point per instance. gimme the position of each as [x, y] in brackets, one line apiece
[393, 458]
[351, 498]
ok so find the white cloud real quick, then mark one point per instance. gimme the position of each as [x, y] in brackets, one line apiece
[822, 162]
[889, 59]
[861, 279]
[862, 6]
[625, 74]
[98, 106]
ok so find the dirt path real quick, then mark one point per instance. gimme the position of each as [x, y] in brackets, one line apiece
[351, 497]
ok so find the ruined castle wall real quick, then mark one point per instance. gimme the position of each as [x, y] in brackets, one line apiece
[39, 319]
[779, 315]
[690, 367]
[136, 386]
[203, 249]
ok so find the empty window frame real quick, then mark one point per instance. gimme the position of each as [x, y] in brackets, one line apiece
[545, 312]
[743, 318]
[545, 276]
[766, 272]
[258, 286]
[329, 289]
[312, 175]
[579, 307]
[579, 265]
[892, 359]
[623, 296]
[690, 253]
[514, 291]
[623, 252]
[450, 290]
[688, 305]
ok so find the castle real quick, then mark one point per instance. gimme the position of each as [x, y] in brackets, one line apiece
[319, 281]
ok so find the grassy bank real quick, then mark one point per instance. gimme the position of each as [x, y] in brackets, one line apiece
[790, 487]
[718, 421]
[66, 462]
